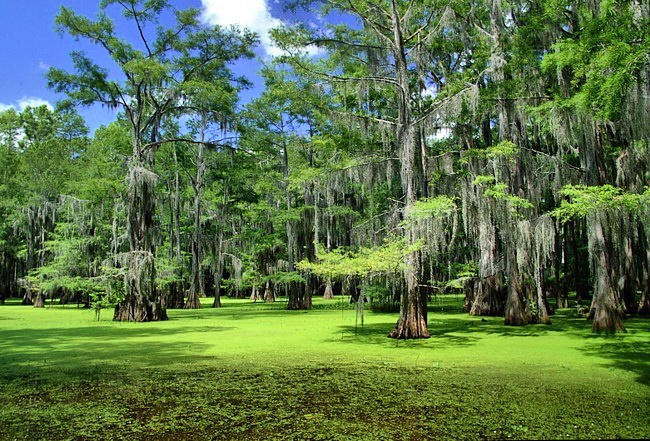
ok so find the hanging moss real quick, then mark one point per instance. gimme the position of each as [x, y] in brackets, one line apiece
[140, 302]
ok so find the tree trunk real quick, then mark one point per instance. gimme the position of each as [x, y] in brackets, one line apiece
[486, 297]
[175, 297]
[299, 295]
[412, 322]
[219, 274]
[581, 286]
[144, 312]
[329, 292]
[296, 292]
[27, 298]
[255, 295]
[627, 279]
[40, 300]
[559, 285]
[197, 281]
[644, 304]
[140, 303]
[542, 304]
[6, 280]
[516, 312]
[269, 295]
[605, 308]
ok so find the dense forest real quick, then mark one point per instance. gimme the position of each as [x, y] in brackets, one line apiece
[500, 149]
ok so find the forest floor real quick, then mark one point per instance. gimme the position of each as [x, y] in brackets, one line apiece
[257, 371]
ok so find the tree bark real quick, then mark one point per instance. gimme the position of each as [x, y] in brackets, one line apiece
[579, 267]
[606, 311]
[486, 298]
[140, 303]
[40, 300]
[175, 297]
[300, 295]
[542, 302]
[219, 274]
[627, 278]
[516, 311]
[412, 322]
[255, 295]
[27, 298]
[488, 295]
[269, 295]
[644, 303]
[329, 292]
[197, 281]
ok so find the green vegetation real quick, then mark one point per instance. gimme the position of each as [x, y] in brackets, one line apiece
[582, 201]
[498, 150]
[258, 371]
[385, 259]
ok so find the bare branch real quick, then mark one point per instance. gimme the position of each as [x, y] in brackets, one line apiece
[138, 24]
[338, 78]
[376, 26]
[348, 114]
[316, 41]
[420, 29]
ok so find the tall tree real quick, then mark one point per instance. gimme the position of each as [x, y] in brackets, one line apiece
[390, 44]
[279, 128]
[11, 199]
[601, 83]
[156, 70]
[51, 140]
[214, 94]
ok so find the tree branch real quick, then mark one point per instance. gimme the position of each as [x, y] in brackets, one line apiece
[338, 78]
[138, 24]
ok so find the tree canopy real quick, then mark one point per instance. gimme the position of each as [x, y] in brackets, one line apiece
[495, 148]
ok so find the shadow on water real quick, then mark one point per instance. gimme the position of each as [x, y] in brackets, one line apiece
[630, 356]
[621, 353]
[101, 345]
[236, 311]
[460, 328]
[377, 333]
[162, 345]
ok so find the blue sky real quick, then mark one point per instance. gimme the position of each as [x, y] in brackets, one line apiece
[30, 44]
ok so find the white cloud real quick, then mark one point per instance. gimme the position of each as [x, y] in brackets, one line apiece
[30, 101]
[25, 102]
[43, 66]
[252, 14]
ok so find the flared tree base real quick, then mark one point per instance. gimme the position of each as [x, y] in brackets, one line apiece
[192, 303]
[140, 312]
[40, 301]
[608, 322]
[486, 298]
[329, 291]
[410, 329]
[174, 299]
[299, 297]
